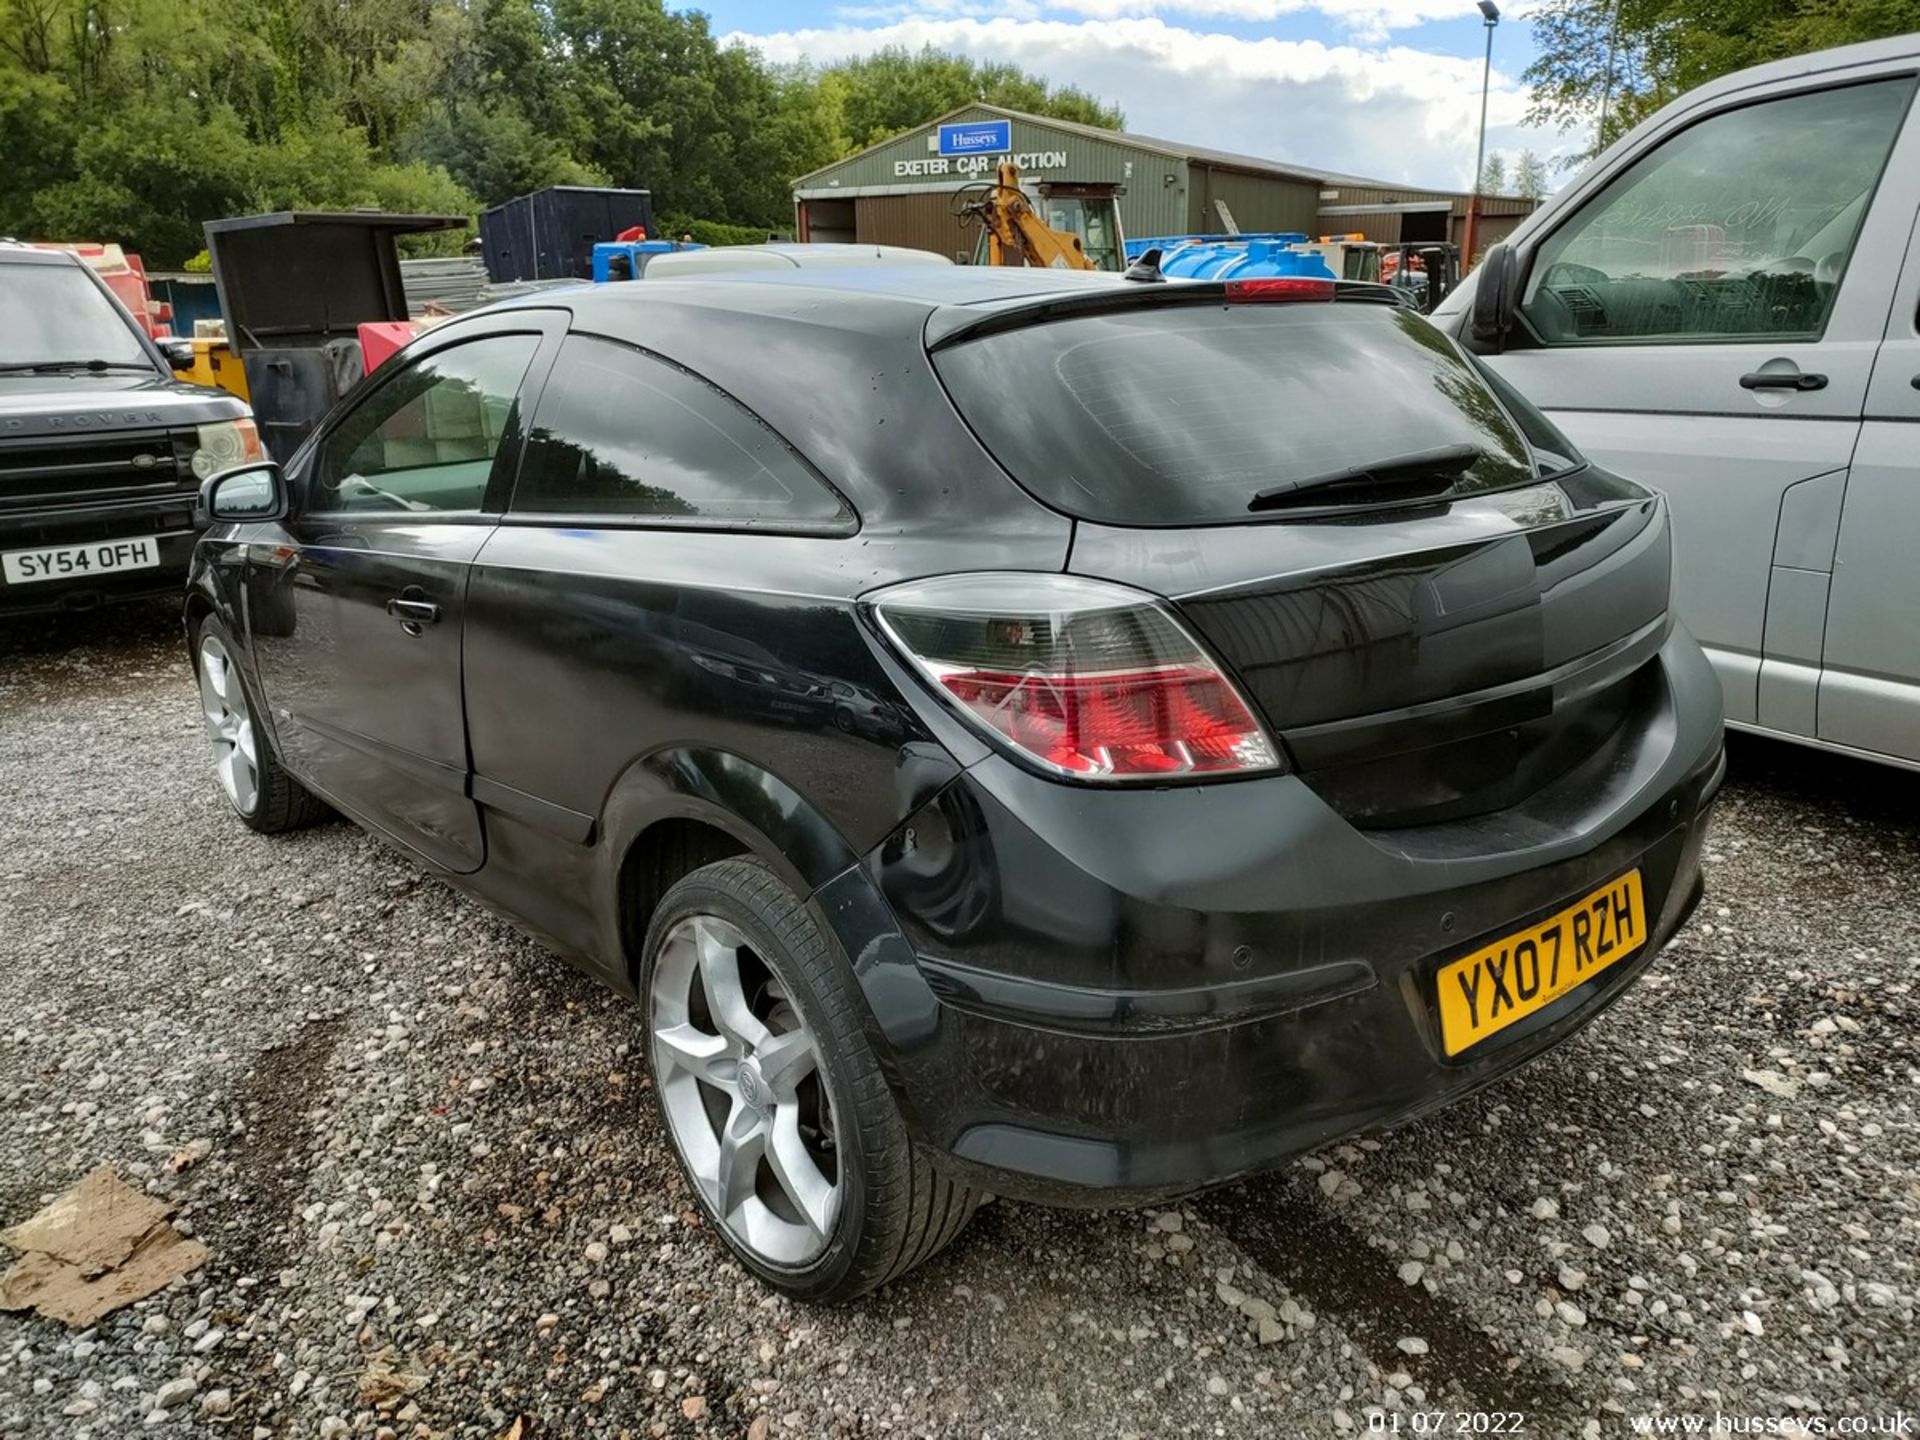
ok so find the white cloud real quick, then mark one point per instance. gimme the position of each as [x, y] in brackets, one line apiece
[1369, 19]
[1392, 112]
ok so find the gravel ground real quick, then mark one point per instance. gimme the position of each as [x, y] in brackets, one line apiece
[434, 1204]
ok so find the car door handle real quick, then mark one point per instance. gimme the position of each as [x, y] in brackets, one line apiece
[1782, 380]
[413, 614]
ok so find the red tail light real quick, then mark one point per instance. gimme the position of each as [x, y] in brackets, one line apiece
[1086, 678]
[1273, 288]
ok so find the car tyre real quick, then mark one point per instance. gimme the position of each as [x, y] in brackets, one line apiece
[258, 787]
[738, 981]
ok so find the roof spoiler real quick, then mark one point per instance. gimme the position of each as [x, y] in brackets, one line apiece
[955, 324]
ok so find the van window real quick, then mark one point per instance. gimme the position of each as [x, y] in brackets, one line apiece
[620, 432]
[1180, 414]
[1739, 227]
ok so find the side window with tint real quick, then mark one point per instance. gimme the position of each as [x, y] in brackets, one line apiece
[1740, 227]
[425, 440]
[620, 432]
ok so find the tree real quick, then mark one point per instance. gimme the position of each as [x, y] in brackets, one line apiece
[896, 89]
[1602, 65]
[1493, 175]
[1529, 176]
[138, 120]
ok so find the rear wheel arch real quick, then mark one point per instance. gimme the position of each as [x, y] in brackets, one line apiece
[677, 810]
[654, 861]
[665, 820]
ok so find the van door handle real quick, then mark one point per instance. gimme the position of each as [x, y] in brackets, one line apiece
[1782, 380]
[411, 613]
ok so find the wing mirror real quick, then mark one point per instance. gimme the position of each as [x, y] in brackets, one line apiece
[246, 496]
[177, 352]
[1494, 299]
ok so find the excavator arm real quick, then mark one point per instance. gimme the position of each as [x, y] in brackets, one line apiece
[1017, 236]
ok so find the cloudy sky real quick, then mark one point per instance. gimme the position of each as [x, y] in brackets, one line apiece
[1387, 88]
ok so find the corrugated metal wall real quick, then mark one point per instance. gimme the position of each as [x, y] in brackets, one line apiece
[1385, 228]
[923, 222]
[1335, 194]
[1491, 230]
[1498, 214]
[1258, 202]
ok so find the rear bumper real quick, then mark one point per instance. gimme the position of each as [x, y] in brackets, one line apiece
[1090, 997]
[169, 521]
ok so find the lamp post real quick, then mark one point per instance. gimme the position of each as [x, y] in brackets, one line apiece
[1490, 16]
[1606, 90]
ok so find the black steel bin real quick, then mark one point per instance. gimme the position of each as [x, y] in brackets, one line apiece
[295, 287]
[550, 234]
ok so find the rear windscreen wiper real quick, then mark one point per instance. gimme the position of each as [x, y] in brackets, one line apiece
[1393, 477]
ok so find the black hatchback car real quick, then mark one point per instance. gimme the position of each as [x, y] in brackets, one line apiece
[1055, 736]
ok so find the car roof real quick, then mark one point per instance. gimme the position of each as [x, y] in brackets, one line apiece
[15, 252]
[780, 257]
[874, 297]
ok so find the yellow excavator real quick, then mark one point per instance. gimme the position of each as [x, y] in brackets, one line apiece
[1081, 229]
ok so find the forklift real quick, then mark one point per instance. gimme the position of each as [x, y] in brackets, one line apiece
[1073, 226]
[1426, 271]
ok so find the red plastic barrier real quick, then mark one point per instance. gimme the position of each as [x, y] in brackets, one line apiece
[380, 338]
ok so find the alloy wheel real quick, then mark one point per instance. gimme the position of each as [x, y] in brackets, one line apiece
[744, 1092]
[229, 725]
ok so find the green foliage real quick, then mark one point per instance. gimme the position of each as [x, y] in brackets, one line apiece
[708, 232]
[1493, 174]
[137, 120]
[895, 89]
[496, 153]
[1603, 65]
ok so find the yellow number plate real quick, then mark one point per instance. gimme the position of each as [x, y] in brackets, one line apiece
[1507, 981]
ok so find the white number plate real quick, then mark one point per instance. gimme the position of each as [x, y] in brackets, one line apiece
[68, 562]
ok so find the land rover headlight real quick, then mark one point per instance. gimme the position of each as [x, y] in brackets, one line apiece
[225, 444]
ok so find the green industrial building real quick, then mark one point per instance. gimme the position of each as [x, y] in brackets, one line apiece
[900, 192]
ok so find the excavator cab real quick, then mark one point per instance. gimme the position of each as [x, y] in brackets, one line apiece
[1064, 225]
[1091, 212]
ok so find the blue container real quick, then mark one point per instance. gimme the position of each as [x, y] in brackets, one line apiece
[549, 234]
[1232, 257]
[612, 256]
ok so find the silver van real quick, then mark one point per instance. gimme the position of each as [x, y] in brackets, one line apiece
[1726, 305]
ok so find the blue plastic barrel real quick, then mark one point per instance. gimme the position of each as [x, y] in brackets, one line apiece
[1239, 257]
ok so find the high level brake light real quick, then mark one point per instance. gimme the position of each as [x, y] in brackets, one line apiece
[1083, 677]
[1279, 288]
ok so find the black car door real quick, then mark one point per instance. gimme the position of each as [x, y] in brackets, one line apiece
[356, 612]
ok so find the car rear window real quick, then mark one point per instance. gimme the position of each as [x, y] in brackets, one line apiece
[1181, 414]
